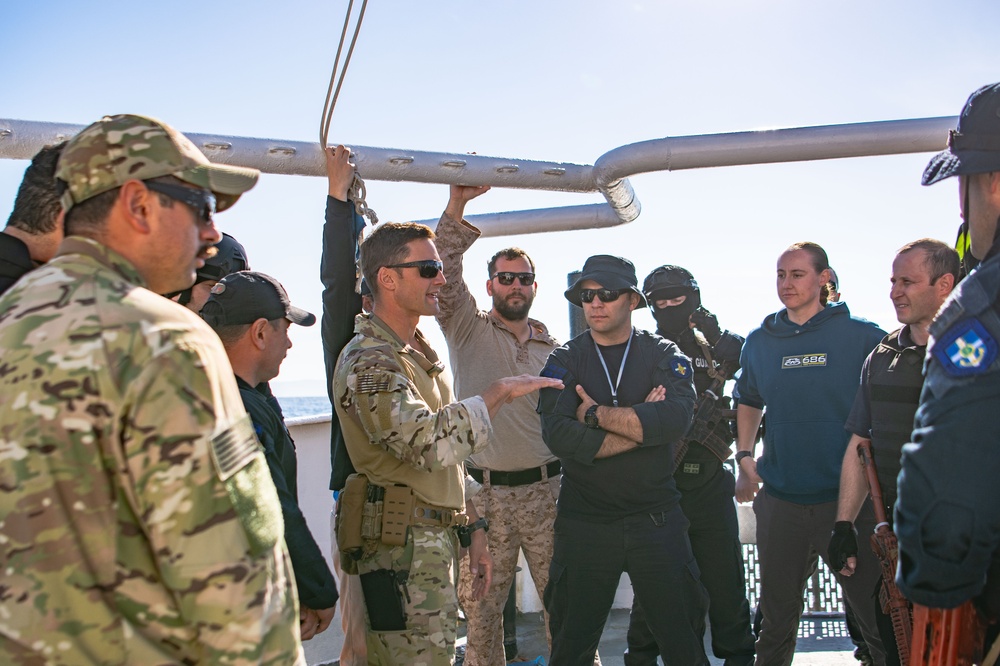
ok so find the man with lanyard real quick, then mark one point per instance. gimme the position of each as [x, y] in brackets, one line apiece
[706, 487]
[409, 439]
[923, 274]
[803, 363]
[948, 513]
[627, 401]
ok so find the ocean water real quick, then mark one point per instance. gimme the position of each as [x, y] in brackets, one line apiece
[305, 406]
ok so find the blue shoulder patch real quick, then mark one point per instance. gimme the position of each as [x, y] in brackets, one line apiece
[554, 371]
[681, 367]
[966, 349]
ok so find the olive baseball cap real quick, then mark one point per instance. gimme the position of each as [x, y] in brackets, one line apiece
[246, 296]
[120, 148]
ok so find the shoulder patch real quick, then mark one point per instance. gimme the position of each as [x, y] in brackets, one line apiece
[966, 349]
[554, 371]
[373, 381]
[681, 367]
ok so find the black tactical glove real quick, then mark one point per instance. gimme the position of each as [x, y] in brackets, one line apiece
[708, 324]
[843, 544]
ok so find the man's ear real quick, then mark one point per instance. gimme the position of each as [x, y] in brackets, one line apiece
[489, 288]
[257, 333]
[387, 279]
[945, 284]
[134, 204]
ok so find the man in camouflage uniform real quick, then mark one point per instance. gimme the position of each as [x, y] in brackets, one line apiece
[403, 432]
[520, 476]
[138, 522]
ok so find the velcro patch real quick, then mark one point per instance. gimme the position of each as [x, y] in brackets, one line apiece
[681, 367]
[234, 447]
[691, 468]
[965, 349]
[817, 360]
[374, 382]
[554, 371]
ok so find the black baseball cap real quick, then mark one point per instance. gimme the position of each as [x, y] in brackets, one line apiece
[246, 296]
[974, 147]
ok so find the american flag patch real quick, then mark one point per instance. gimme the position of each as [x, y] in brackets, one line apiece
[373, 382]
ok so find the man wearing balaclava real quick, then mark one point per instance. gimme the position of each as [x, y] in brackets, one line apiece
[707, 488]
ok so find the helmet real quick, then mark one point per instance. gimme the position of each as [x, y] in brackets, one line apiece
[669, 282]
[230, 257]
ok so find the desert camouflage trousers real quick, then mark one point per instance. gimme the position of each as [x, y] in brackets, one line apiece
[430, 600]
[521, 518]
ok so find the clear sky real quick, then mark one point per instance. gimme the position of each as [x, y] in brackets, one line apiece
[559, 80]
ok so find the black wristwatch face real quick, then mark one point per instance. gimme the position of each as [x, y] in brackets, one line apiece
[590, 418]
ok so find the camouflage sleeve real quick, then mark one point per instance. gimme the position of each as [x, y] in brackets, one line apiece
[458, 311]
[394, 415]
[472, 487]
[200, 489]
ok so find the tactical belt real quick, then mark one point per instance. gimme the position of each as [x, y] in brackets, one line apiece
[519, 478]
[435, 516]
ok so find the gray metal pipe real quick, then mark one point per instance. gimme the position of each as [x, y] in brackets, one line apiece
[891, 137]
[21, 139]
[519, 222]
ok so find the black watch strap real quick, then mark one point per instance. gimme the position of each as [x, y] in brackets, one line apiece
[740, 455]
[590, 417]
[481, 524]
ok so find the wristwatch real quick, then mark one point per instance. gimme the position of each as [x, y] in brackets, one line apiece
[465, 531]
[740, 455]
[590, 418]
[481, 524]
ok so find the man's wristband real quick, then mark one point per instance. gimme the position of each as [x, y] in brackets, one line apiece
[740, 455]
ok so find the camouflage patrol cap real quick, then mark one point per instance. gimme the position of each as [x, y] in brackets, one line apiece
[119, 148]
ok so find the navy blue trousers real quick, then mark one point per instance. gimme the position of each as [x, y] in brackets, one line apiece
[715, 540]
[587, 564]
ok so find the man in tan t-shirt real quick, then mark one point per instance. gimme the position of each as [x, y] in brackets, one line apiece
[520, 476]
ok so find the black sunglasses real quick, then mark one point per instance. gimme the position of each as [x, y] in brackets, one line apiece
[605, 295]
[201, 201]
[506, 278]
[427, 268]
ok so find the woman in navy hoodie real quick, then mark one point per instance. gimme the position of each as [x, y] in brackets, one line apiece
[803, 364]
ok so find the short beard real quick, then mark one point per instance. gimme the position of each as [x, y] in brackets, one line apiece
[513, 313]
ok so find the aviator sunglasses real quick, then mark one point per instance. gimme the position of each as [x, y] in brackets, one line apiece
[605, 295]
[426, 268]
[201, 201]
[506, 278]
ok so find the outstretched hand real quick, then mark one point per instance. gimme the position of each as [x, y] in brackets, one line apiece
[339, 171]
[506, 389]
